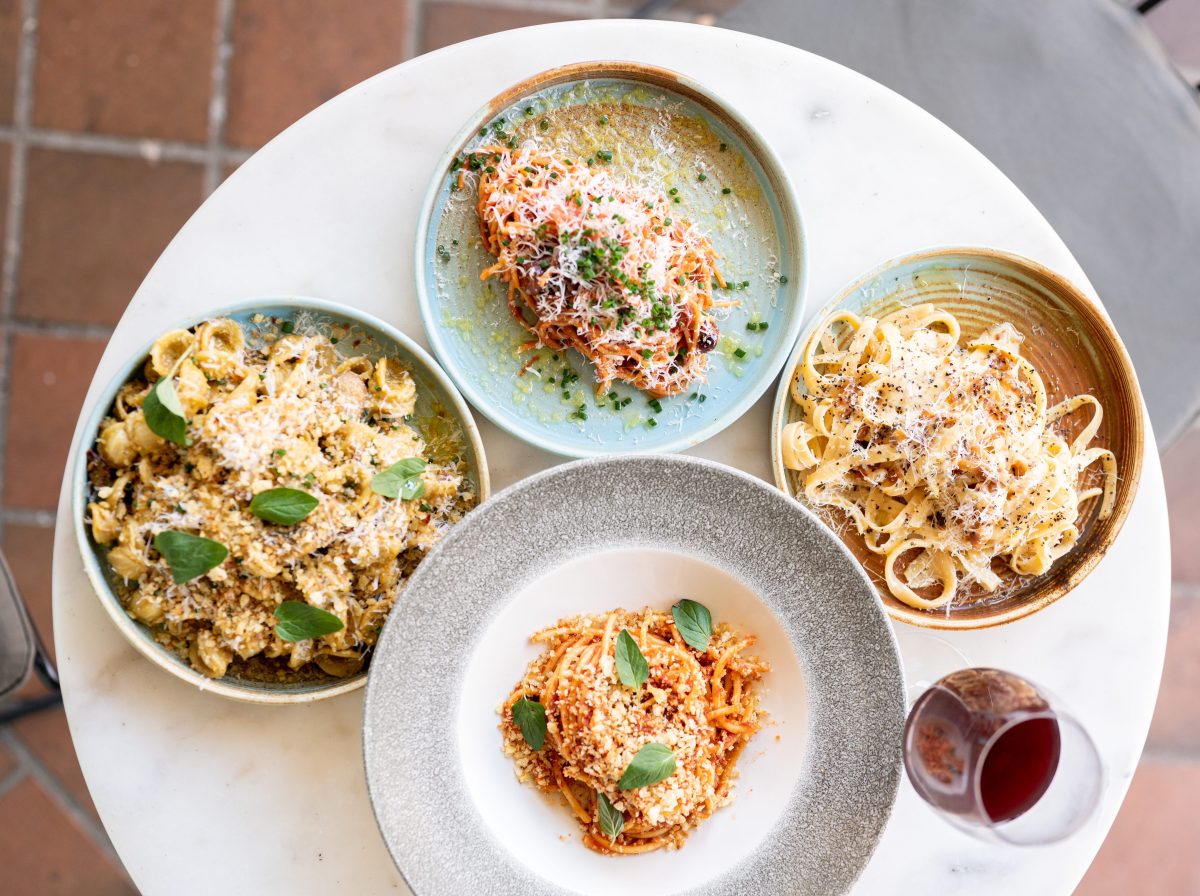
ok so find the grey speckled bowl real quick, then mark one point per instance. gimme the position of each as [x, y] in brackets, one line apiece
[816, 785]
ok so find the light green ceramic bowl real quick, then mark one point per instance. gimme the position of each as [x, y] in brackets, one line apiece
[436, 395]
[662, 130]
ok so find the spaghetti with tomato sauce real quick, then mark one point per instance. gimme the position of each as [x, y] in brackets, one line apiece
[702, 706]
[598, 264]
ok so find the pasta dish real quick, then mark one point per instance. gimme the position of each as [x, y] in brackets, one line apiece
[946, 458]
[640, 760]
[598, 265]
[241, 491]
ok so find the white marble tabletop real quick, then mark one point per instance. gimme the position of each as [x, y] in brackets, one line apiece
[201, 795]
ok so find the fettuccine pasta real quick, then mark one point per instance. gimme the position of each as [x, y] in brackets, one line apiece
[946, 458]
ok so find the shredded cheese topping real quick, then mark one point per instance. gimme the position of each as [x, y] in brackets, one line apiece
[600, 265]
[292, 414]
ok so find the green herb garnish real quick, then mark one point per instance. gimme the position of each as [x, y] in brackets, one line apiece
[401, 480]
[693, 620]
[653, 763]
[164, 413]
[283, 505]
[632, 668]
[189, 556]
[299, 621]
[604, 155]
[612, 822]
[530, 717]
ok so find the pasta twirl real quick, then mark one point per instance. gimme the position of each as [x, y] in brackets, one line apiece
[946, 457]
[702, 706]
[606, 267]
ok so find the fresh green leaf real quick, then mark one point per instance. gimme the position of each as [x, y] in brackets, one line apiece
[694, 622]
[631, 664]
[299, 621]
[401, 480]
[612, 822]
[283, 505]
[189, 556]
[164, 413]
[653, 763]
[530, 717]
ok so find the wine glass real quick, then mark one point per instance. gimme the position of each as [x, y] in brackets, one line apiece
[998, 758]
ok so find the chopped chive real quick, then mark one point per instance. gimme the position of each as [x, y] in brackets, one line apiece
[702, 176]
[544, 125]
[722, 148]
[652, 423]
[739, 352]
[703, 398]
[604, 155]
[783, 278]
[656, 404]
[287, 327]
[726, 190]
[604, 119]
[528, 111]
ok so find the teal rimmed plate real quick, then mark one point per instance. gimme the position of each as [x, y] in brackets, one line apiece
[663, 131]
[361, 334]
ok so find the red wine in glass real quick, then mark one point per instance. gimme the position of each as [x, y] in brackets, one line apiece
[985, 747]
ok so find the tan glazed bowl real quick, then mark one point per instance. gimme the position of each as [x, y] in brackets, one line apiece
[1073, 346]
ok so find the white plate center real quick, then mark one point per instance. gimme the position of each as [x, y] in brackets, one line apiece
[539, 831]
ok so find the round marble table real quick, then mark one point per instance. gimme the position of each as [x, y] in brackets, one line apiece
[202, 795]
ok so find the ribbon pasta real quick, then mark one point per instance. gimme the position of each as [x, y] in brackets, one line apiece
[946, 458]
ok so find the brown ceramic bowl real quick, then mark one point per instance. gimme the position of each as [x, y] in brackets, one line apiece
[1072, 344]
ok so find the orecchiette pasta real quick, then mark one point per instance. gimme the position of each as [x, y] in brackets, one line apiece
[282, 411]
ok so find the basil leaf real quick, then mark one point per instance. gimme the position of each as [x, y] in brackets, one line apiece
[631, 664]
[401, 480]
[694, 622]
[612, 822]
[189, 556]
[299, 621]
[653, 763]
[164, 413]
[283, 505]
[530, 716]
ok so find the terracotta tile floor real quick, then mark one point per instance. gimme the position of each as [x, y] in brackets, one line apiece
[116, 120]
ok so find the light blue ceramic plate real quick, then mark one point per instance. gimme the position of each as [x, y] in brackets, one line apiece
[358, 334]
[664, 131]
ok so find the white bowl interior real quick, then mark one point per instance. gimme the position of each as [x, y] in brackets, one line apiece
[538, 829]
